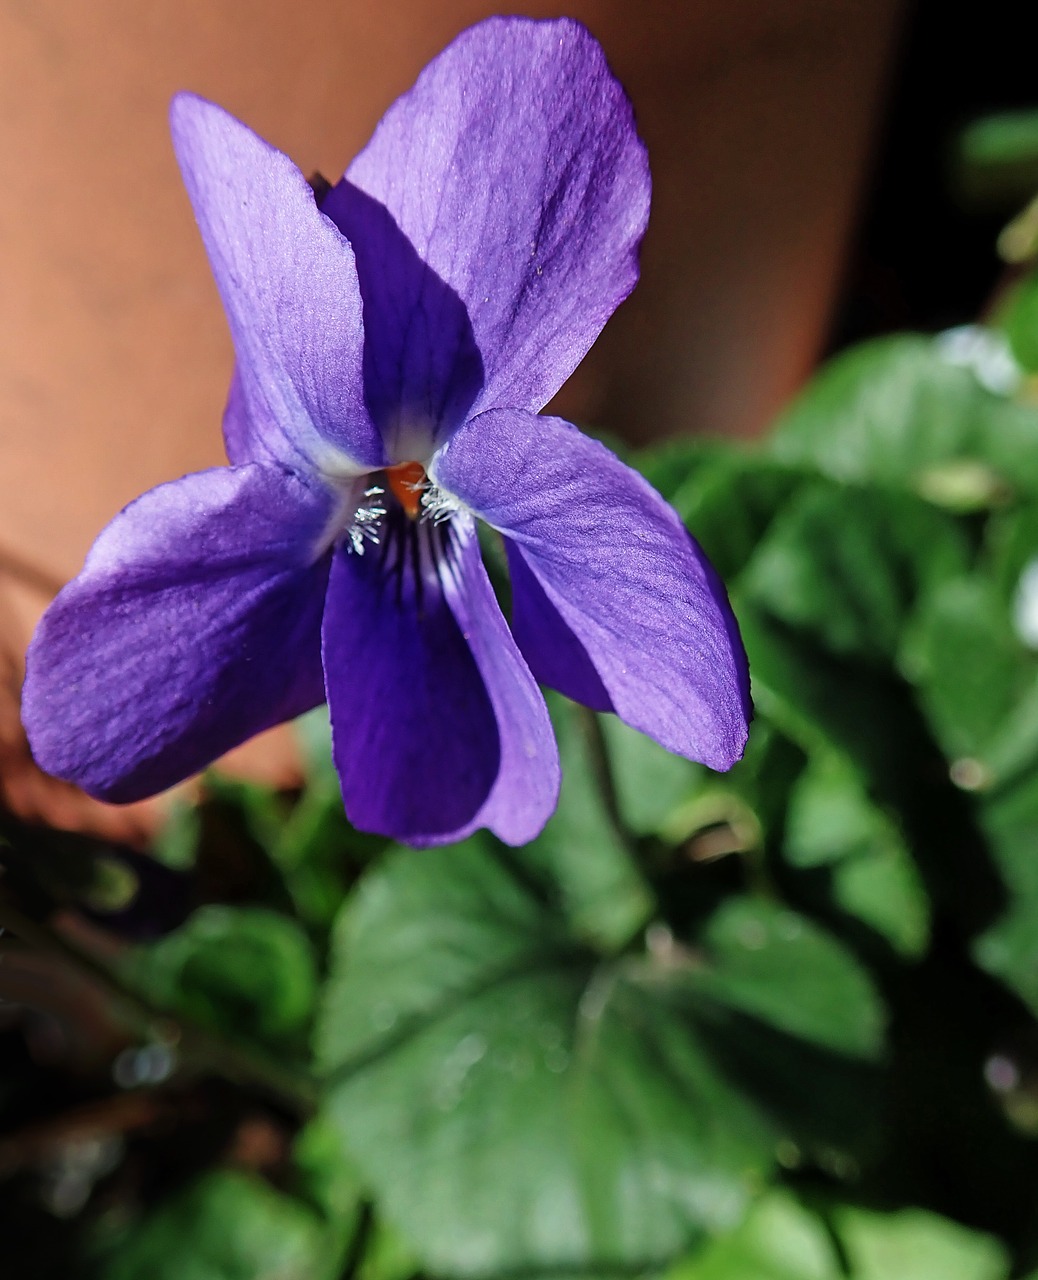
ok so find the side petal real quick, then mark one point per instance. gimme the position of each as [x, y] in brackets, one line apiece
[248, 437]
[514, 169]
[194, 624]
[438, 727]
[613, 602]
[289, 286]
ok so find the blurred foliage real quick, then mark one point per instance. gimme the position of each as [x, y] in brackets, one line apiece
[775, 1025]
[996, 158]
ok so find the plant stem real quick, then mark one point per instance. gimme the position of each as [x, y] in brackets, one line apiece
[359, 1241]
[602, 771]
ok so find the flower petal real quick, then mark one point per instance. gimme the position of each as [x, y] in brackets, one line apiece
[246, 437]
[514, 169]
[289, 286]
[613, 601]
[194, 624]
[438, 727]
[422, 368]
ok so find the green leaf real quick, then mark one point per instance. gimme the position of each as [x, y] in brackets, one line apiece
[1018, 316]
[762, 954]
[779, 1240]
[651, 783]
[849, 564]
[783, 1239]
[326, 1177]
[319, 853]
[997, 158]
[1006, 138]
[883, 889]
[830, 817]
[726, 498]
[1018, 241]
[310, 851]
[913, 1245]
[832, 822]
[869, 716]
[674, 467]
[243, 970]
[176, 843]
[1009, 948]
[1010, 547]
[224, 1226]
[516, 1101]
[598, 884]
[812, 696]
[387, 1257]
[896, 412]
[977, 684]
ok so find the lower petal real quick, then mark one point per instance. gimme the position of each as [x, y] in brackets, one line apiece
[194, 624]
[438, 727]
[613, 602]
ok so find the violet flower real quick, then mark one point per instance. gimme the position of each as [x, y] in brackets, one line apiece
[394, 344]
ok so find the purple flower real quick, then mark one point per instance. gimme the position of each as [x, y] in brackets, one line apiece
[395, 341]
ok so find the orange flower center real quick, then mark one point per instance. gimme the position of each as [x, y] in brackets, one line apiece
[406, 481]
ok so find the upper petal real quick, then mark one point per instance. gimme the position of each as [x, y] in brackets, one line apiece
[422, 368]
[514, 169]
[613, 602]
[289, 286]
[194, 624]
[438, 727]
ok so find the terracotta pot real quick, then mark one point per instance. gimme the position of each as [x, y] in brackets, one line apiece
[115, 357]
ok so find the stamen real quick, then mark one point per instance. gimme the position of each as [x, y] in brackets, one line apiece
[438, 506]
[367, 521]
[417, 502]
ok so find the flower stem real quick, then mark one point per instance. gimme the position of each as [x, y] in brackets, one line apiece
[602, 771]
[359, 1241]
